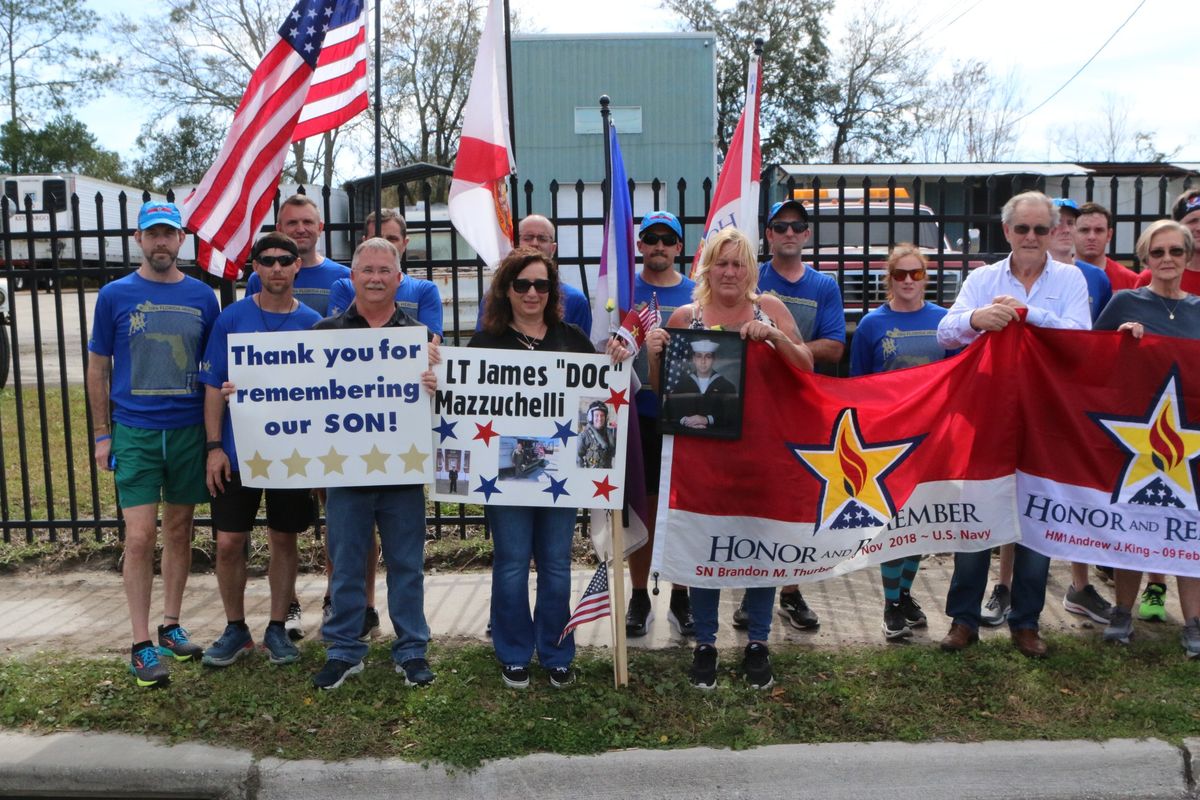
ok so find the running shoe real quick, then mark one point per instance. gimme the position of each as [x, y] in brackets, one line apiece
[147, 670]
[173, 642]
[234, 643]
[1154, 603]
[703, 674]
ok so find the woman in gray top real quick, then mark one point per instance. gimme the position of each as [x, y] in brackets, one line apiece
[1161, 308]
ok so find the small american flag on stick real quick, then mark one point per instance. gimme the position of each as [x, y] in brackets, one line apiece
[593, 605]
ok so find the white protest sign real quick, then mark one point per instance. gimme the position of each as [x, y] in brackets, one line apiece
[521, 428]
[331, 408]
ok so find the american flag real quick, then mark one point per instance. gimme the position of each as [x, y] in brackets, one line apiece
[594, 603]
[651, 318]
[312, 80]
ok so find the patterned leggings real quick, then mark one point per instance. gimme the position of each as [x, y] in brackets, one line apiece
[898, 576]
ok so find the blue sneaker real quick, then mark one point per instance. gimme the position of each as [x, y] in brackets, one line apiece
[416, 672]
[234, 643]
[173, 642]
[147, 670]
[280, 649]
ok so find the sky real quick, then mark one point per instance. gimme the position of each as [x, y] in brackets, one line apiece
[1145, 66]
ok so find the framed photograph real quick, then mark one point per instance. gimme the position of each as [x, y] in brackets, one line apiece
[703, 374]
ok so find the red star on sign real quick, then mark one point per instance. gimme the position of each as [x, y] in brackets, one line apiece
[485, 433]
[617, 399]
[604, 488]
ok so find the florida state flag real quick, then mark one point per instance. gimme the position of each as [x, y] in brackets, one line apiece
[1078, 441]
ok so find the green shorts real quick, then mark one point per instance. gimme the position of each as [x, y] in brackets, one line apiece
[160, 465]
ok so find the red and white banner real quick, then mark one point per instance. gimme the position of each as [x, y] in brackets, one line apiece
[479, 207]
[1026, 435]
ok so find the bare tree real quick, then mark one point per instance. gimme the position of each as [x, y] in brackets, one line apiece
[45, 69]
[1109, 136]
[970, 116]
[795, 61]
[877, 87]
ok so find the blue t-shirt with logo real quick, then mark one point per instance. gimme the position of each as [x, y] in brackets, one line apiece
[312, 284]
[886, 339]
[814, 301]
[155, 334]
[669, 299]
[419, 298]
[244, 316]
[1099, 287]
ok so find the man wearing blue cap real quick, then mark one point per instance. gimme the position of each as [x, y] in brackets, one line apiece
[660, 242]
[148, 337]
[816, 304]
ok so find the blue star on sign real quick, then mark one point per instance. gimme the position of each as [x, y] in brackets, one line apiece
[488, 487]
[557, 488]
[445, 430]
[564, 432]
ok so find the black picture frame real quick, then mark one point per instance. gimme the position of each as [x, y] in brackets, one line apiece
[682, 402]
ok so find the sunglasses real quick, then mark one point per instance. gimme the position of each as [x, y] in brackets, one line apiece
[795, 226]
[270, 261]
[910, 274]
[523, 285]
[1159, 252]
[667, 239]
[1023, 229]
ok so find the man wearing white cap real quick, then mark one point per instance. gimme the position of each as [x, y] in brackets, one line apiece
[702, 400]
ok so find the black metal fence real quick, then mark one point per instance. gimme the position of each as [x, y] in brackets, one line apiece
[53, 265]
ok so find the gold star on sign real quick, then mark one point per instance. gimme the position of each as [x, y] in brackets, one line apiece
[414, 459]
[258, 465]
[333, 461]
[376, 460]
[296, 464]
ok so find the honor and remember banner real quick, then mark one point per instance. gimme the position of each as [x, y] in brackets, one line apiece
[1079, 444]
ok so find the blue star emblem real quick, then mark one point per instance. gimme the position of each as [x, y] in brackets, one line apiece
[488, 487]
[557, 488]
[445, 430]
[564, 431]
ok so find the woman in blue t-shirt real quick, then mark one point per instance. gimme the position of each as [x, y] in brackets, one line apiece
[901, 333]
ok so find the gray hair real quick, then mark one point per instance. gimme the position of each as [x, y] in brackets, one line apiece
[1010, 208]
[380, 244]
[1162, 226]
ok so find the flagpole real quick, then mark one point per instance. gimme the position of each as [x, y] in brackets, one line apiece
[605, 115]
[513, 201]
[378, 115]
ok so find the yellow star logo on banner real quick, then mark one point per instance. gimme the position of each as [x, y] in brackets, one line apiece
[850, 469]
[333, 461]
[296, 463]
[258, 465]
[376, 461]
[1159, 446]
[414, 459]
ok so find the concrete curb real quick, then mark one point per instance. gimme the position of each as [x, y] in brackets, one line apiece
[106, 765]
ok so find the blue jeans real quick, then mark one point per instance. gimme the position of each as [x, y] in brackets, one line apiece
[352, 514]
[760, 603]
[544, 534]
[1030, 572]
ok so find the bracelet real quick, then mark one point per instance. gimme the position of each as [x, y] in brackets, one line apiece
[213, 445]
[103, 438]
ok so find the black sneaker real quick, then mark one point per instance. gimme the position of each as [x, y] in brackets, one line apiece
[638, 617]
[741, 620]
[756, 666]
[562, 677]
[795, 612]
[416, 672]
[679, 614]
[294, 624]
[895, 627]
[703, 674]
[515, 676]
[370, 625]
[914, 617]
[995, 611]
[335, 672]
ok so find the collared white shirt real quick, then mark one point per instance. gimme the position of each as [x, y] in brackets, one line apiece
[1058, 299]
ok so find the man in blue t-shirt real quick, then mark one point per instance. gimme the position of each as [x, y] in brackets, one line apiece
[300, 220]
[290, 512]
[660, 243]
[149, 332]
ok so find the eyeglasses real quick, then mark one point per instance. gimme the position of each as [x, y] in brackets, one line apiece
[270, 261]
[1159, 252]
[535, 237]
[795, 226]
[911, 274]
[523, 285]
[667, 239]
[1023, 229]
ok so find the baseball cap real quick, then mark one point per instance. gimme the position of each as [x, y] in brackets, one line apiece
[662, 218]
[159, 212]
[1066, 204]
[796, 204]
